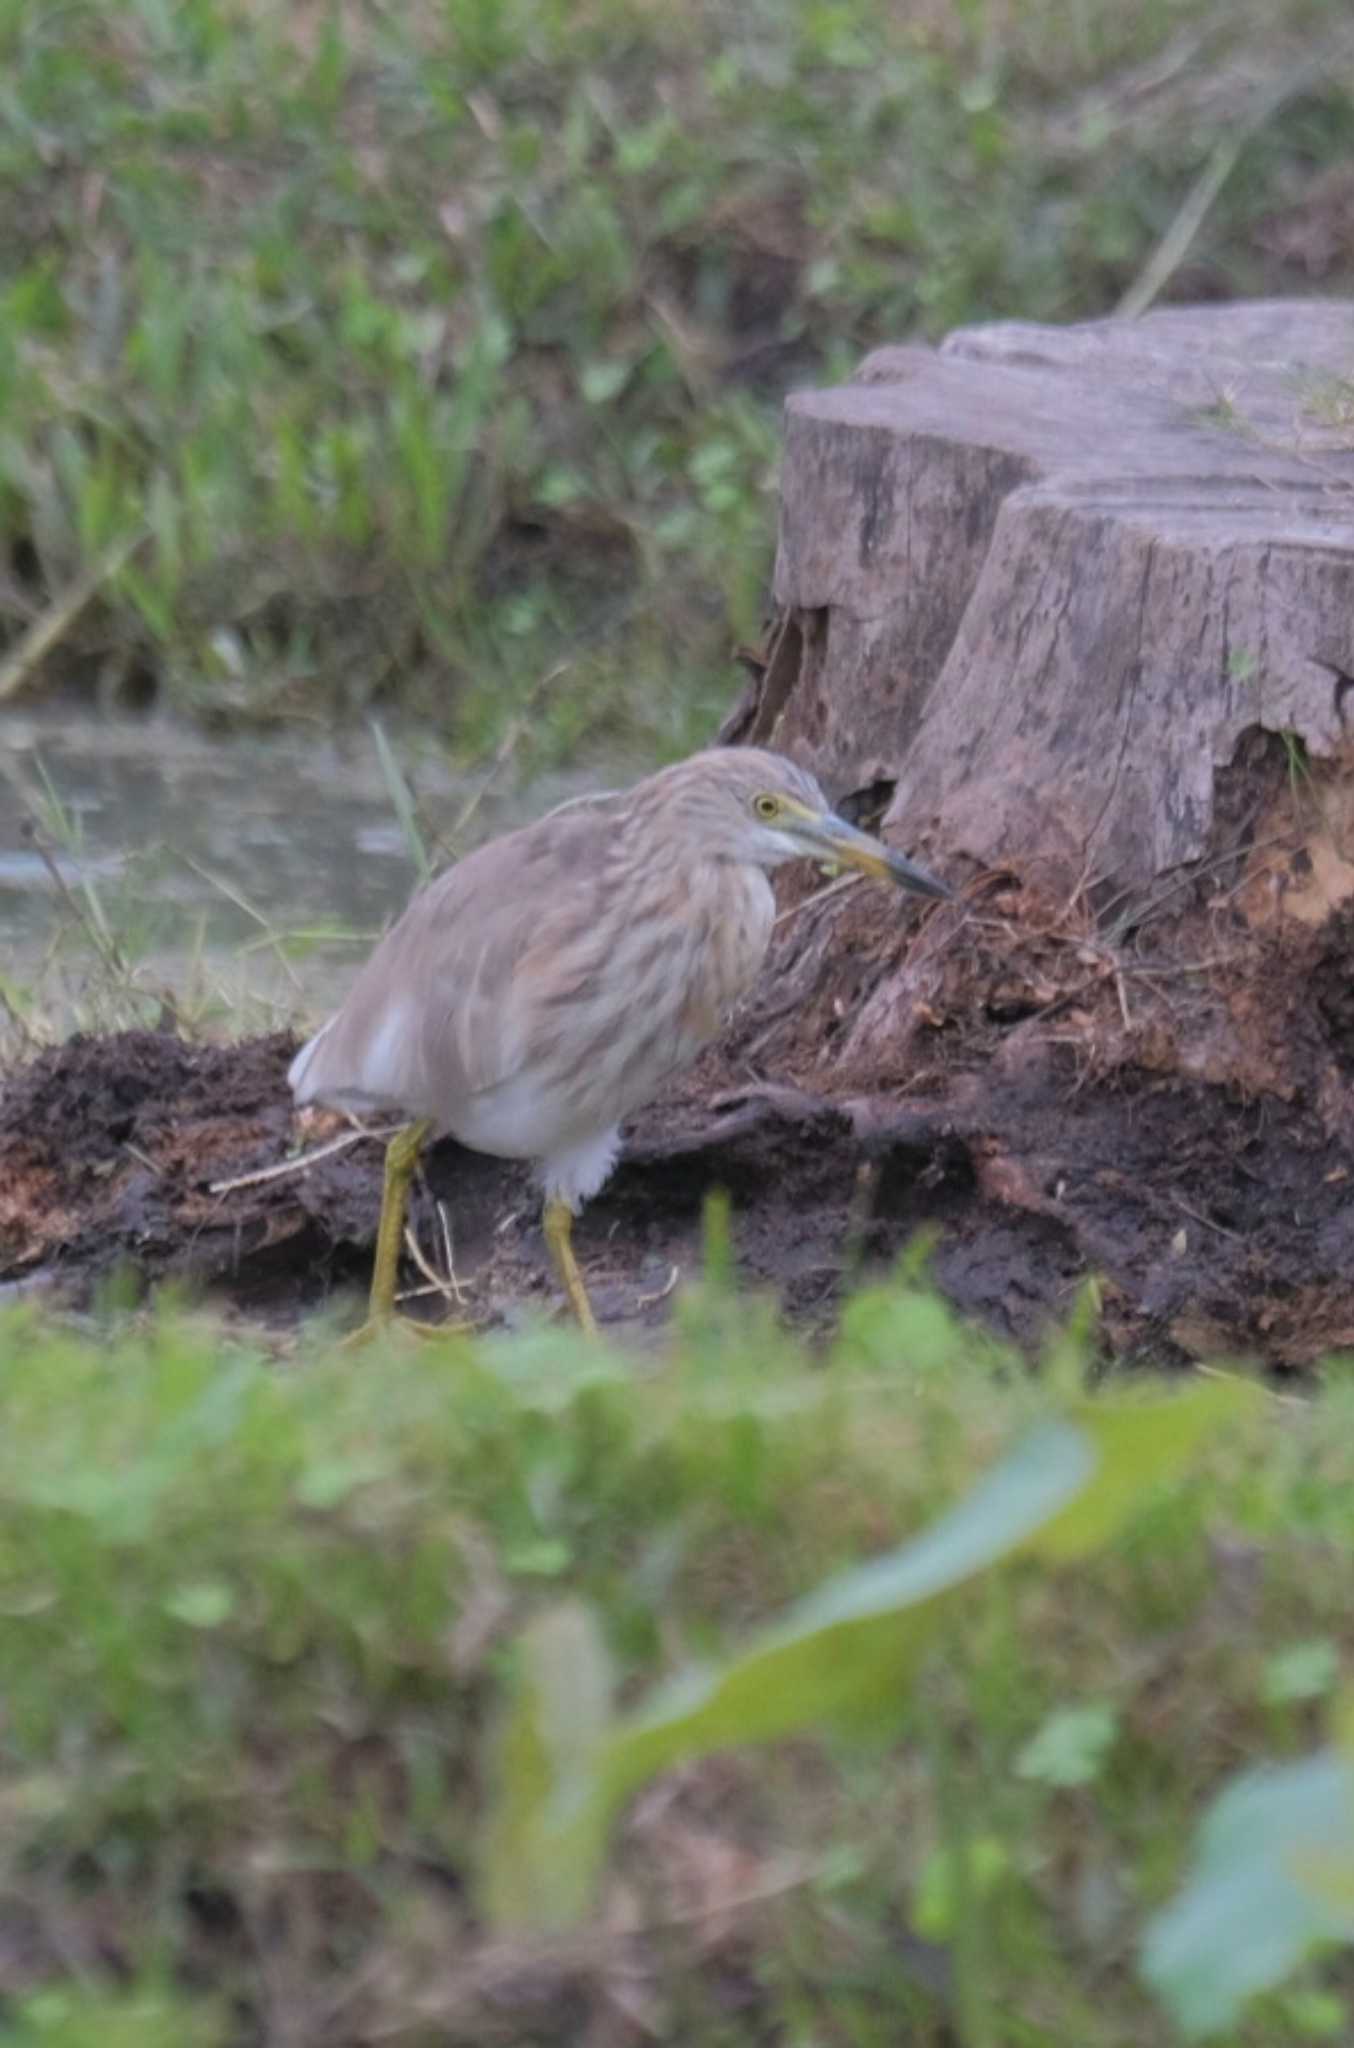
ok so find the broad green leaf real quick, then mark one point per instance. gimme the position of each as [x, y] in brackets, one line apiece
[855, 1641]
[1260, 1894]
[848, 1636]
[544, 1557]
[203, 1603]
[1143, 1441]
[856, 1637]
[328, 1482]
[603, 380]
[1071, 1746]
[1302, 1672]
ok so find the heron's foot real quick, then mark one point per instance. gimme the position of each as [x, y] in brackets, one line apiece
[381, 1326]
[559, 1225]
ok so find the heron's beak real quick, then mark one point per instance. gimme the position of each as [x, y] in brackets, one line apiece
[829, 837]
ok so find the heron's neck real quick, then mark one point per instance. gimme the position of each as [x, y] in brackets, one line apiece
[742, 912]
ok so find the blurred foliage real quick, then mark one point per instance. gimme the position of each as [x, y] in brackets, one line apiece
[1273, 1878]
[850, 1649]
[421, 348]
[269, 1619]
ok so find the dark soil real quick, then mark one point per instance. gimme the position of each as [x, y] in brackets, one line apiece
[1034, 1143]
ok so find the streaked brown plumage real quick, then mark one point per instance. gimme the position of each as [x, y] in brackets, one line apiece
[541, 990]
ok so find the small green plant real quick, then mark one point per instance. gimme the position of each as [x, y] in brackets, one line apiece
[1306, 1671]
[568, 1763]
[1071, 1747]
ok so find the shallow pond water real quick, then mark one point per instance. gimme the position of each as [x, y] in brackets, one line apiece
[242, 877]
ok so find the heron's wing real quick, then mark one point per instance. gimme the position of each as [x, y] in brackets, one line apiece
[447, 1004]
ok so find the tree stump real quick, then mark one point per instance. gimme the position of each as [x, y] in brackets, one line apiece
[1075, 609]
[1045, 579]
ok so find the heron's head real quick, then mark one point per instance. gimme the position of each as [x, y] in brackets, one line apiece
[747, 805]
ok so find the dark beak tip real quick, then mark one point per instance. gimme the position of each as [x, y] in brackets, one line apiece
[921, 882]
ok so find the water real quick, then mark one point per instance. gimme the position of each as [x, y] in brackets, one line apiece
[243, 878]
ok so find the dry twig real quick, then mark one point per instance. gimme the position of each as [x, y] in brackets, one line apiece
[302, 1163]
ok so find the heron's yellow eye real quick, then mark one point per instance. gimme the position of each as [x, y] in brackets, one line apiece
[767, 808]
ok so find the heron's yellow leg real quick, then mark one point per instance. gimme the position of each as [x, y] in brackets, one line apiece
[402, 1156]
[559, 1226]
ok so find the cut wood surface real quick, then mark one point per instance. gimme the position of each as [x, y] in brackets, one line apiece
[1045, 579]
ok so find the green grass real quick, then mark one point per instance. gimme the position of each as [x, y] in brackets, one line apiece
[258, 1618]
[424, 347]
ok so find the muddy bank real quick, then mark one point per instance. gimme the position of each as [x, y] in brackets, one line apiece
[1033, 1111]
